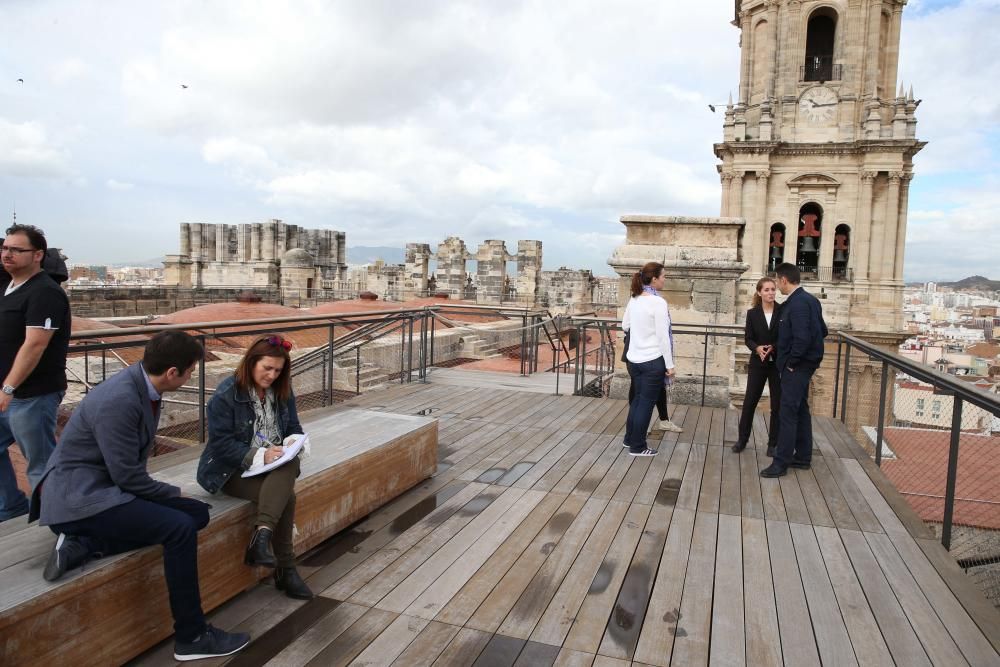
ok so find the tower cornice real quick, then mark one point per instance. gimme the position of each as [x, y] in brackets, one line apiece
[909, 147]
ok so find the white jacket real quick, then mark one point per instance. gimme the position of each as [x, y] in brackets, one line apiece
[647, 320]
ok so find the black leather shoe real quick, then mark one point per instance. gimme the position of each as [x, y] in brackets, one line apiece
[801, 465]
[69, 552]
[259, 550]
[287, 579]
[739, 447]
[770, 452]
[773, 470]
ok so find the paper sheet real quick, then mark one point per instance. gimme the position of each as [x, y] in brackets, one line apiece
[291, 451]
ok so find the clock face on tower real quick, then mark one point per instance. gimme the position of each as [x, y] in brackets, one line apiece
[818, 104]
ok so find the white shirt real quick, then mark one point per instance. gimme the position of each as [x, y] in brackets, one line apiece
[767, 316]
[647, 320]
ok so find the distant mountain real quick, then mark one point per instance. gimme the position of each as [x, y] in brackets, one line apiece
[361, 254]
[974, 283]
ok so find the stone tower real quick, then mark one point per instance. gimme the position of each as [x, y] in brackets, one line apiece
[817, 153]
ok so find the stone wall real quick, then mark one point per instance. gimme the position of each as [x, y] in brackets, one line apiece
[566, 291]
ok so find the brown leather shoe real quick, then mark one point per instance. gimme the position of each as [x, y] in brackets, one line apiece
[287, 579]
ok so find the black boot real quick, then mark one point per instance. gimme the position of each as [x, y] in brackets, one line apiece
[739, 447]
[259, 550]
[287, 579]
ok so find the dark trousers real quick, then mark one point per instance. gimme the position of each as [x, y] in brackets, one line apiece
[172, 522]
[759, 374]
[647, 378]
[661, 400]
[274, 495]
[795, 438]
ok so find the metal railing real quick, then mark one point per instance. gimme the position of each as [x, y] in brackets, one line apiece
[828, 274]
[820, 68]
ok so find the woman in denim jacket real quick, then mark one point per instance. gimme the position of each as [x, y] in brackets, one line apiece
[250, 418]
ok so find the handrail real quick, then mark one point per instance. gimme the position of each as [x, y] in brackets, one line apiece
[963, 390]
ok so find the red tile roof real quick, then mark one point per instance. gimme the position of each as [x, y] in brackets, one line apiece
[919, 472]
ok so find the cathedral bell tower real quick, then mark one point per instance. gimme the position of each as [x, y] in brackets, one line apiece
[817, 153]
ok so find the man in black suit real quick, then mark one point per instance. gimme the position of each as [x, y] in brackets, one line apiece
[801, 331]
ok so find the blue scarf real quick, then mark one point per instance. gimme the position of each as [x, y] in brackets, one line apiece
[648, 289]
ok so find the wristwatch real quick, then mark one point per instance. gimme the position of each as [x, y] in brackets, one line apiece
[7, 389]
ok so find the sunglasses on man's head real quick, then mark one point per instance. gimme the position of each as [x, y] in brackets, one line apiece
[278, 341]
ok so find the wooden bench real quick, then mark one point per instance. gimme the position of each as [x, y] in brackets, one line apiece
[114, 608]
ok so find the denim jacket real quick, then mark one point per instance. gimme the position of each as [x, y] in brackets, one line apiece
[230, 433]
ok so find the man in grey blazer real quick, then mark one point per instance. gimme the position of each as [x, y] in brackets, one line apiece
[97, 496]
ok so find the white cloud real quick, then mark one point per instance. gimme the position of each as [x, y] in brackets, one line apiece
[26, 150]
[119, 186]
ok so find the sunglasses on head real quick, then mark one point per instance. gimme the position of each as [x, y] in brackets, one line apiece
[278, 341]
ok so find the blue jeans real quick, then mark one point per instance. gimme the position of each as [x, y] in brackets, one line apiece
[31, 422]
[647, 378]
[172, 522]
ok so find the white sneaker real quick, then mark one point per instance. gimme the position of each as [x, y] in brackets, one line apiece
[667, 425]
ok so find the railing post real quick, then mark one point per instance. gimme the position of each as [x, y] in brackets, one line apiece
[583, 364]
[433, 325]
[555, 359]
[329, 368]
[201, 391]
[880, 427]
[949, 492]
[524, 343]
[104, 365]
[836, 378]
[357, 369]
[409, 352]
[86, 371]
[704, 367]
[847, 375]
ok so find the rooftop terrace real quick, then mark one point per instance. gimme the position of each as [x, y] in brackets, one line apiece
[539, 542]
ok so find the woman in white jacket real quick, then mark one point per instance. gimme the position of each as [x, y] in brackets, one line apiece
[650, 352]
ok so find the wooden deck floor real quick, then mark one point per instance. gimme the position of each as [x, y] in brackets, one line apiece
[540, 542]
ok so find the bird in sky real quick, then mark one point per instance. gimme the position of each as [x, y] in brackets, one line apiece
[20, 80]
[184, 85]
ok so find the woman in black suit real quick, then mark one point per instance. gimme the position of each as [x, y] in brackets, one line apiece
[761, 335]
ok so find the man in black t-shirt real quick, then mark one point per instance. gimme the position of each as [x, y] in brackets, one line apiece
[34, 337]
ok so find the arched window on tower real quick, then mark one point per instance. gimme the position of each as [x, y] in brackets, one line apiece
[841, 251]
[810, 235]
[820, 39]
[776, 246]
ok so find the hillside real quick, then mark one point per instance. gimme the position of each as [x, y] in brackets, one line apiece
[974, 283]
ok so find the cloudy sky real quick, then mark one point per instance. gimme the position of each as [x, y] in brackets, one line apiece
[409, 121]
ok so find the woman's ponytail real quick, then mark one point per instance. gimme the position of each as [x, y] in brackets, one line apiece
[636, 283]
[645, 276]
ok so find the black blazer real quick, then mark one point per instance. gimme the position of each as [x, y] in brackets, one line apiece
[801, 331]
[757, 332]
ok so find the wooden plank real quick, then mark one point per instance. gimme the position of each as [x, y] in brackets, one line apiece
[835, 500]
[399, 569]
[863, 514]
[358, 576]
[967, 634]
[500, 651]
[728, 637]
[797, 637]
[978, 607]
[558, 447]
[933, 635]
[588, 626]
[409, 589]
[691, 647]
[702, 432]
[343, 649]
[717, 435]
[763, 639]
[570, 658]
[504, 596]
[711, 480]
[609, 484]
[427, 646]
[892, 622]
[731, 429]
[751, 499]
[619, 408]
[385, 648]
[819, 513]
[318, 636]
[463, 649]
[794, 502]
[595, 474]
[885, 514]
[866, 638]
[770, 490]
[832, 637]
[558, 617]
[729, 501]
[464, 603]
[537, 655]
[524, 615]
[655, 646]
[626, 621]
[458, 566]
[605, 661]
[651, 481]
[570, 469]
[690, 491]
[629, 486]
